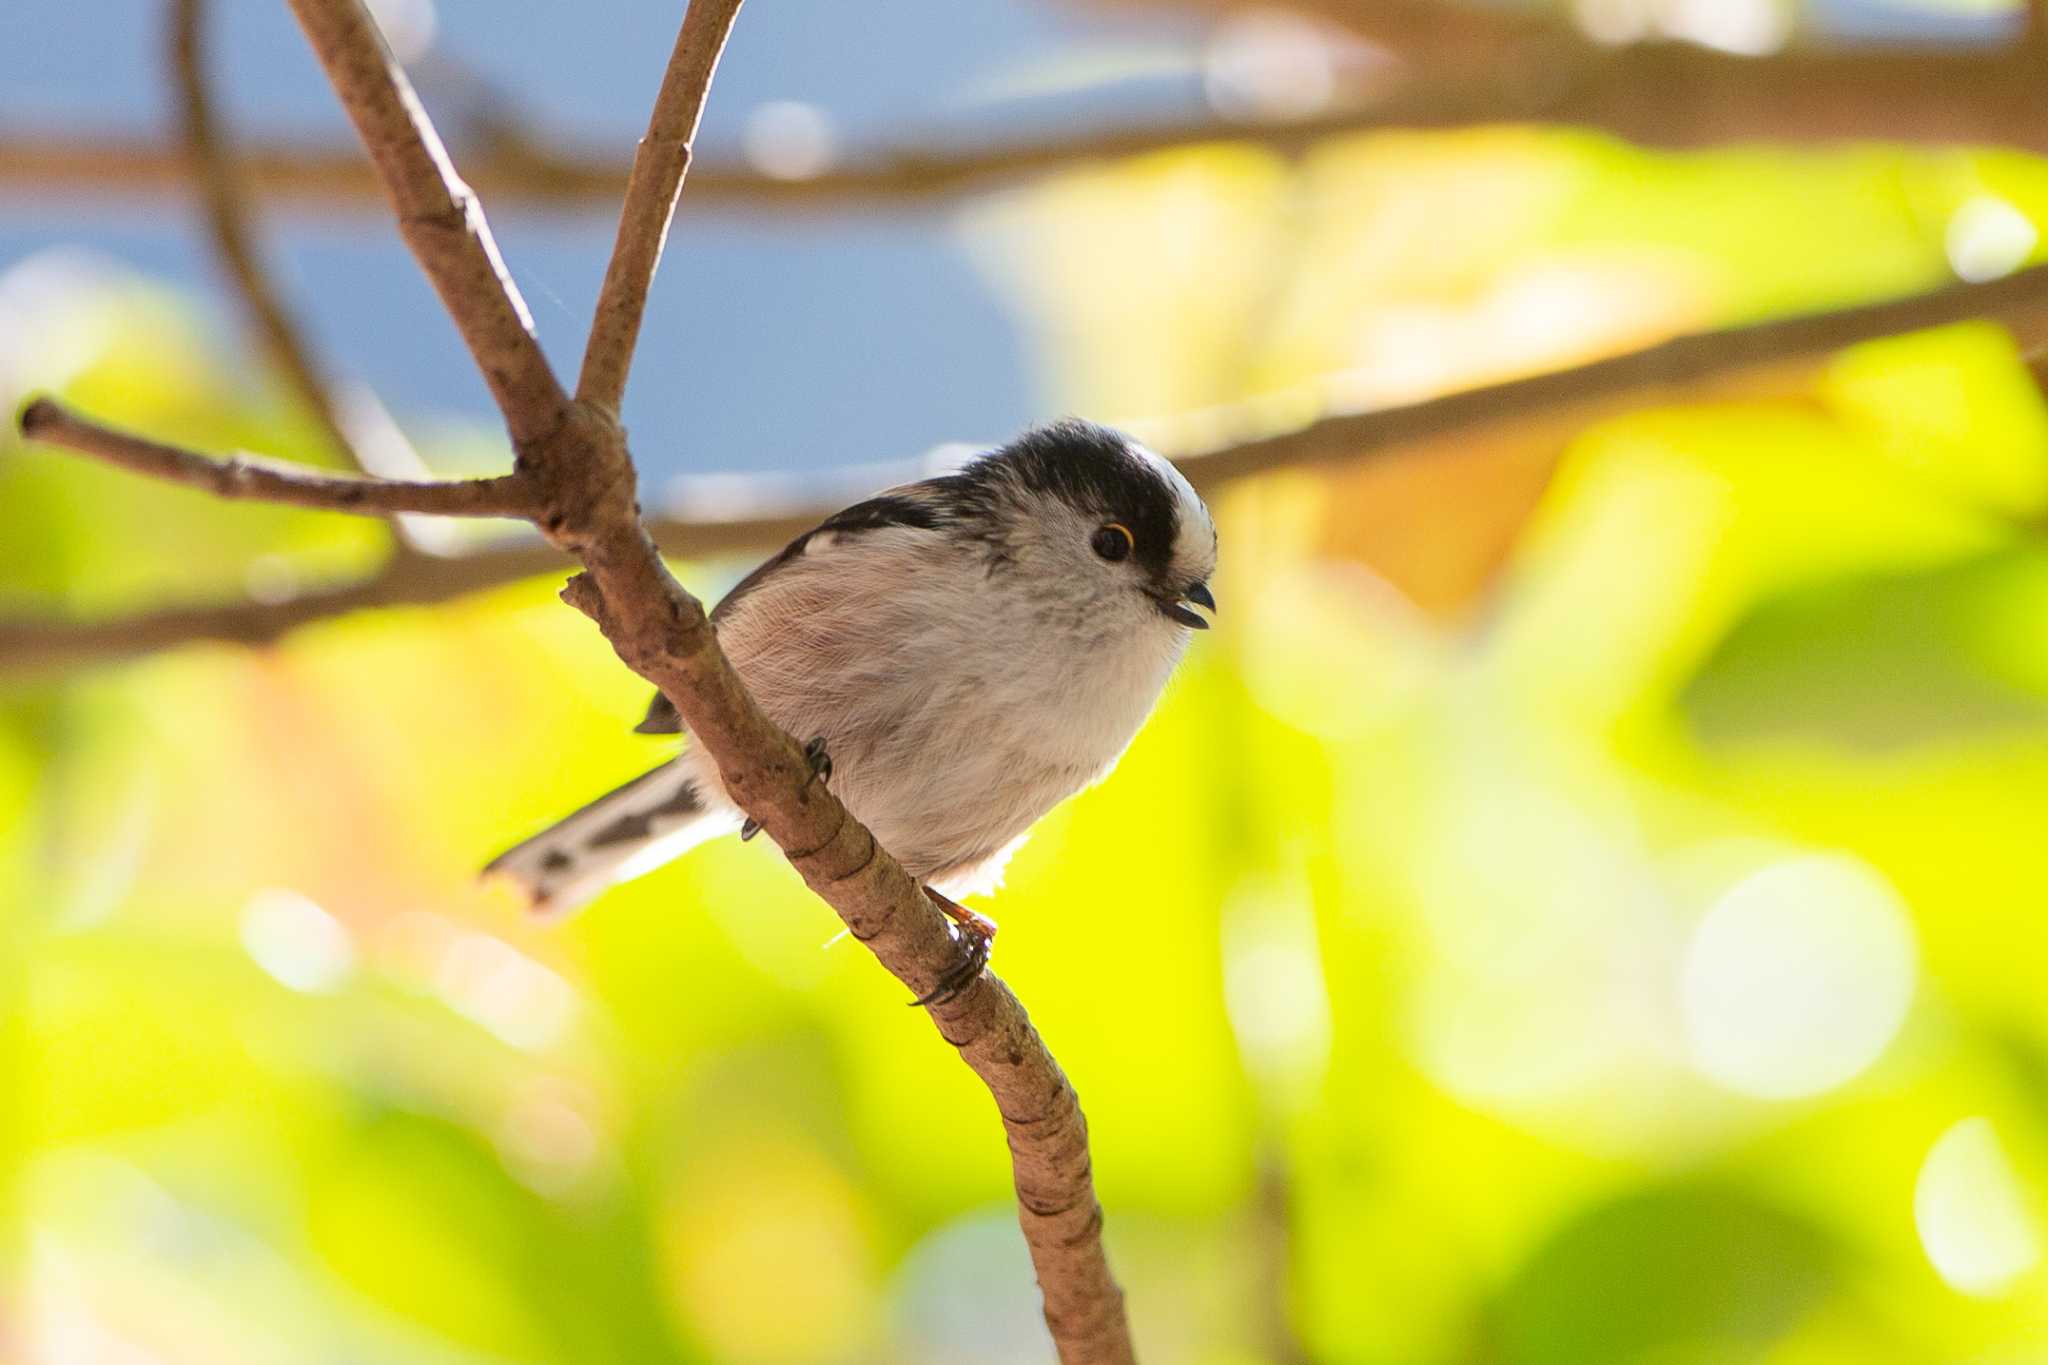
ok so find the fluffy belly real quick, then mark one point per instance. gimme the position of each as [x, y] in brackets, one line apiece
[949, 797]
[951, 770]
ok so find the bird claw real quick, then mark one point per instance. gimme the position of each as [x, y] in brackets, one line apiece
[821, 768]
[976, 935]
[965, 971]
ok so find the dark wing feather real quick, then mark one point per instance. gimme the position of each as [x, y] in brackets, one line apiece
[913, 505]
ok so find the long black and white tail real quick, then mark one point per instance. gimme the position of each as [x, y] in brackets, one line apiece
[654, 818]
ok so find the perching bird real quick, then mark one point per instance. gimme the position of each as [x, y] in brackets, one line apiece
[965, 653]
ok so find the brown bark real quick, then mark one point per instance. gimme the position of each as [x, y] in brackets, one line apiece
[250, 477]
[575, 478]
[659, 164]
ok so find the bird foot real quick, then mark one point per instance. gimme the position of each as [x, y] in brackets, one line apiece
[820, 760]
[976, 935]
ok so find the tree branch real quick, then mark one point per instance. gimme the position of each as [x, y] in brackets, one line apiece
[438, 215]
[329, 179]
[1669, 96]
[659, 164]
[249, 477]
[770, 518]
[34, 646]
[1644, 376]
[884, 909]
[573, 455]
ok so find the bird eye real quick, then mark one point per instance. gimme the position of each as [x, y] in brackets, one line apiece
[1114, 541]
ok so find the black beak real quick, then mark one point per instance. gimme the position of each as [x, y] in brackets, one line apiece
[1176, 609]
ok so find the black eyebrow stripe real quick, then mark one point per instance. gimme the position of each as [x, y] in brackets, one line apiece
[1090, 467]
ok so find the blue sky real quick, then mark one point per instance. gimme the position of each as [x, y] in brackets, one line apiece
[769, 345]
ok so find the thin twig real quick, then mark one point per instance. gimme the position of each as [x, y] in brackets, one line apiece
[261, 480]
[439, 216]
[39, 646]
[659, 164]
[769, 517]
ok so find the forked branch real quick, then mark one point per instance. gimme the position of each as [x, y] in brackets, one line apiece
[575, 479]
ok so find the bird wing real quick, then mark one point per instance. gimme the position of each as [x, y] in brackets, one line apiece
[916, 506]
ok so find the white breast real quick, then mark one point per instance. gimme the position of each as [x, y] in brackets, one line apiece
[959, 705]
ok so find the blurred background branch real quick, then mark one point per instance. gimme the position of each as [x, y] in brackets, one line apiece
[524, 175]
[1537, 413]
[1655, 94]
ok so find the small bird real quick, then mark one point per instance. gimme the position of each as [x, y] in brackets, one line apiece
[963, 653]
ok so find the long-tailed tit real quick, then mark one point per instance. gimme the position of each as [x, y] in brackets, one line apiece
[964, 653]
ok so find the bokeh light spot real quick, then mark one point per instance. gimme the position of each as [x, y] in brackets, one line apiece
[1797, 978]
[1269, 64]
[1750, 28]
[488, 981]
[271, 580]
[1613, 22]
[1988, 238]
[296, 941]
[547, 1137]
[1971, 1212]
[409, 26]
[788, 140]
